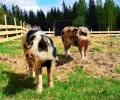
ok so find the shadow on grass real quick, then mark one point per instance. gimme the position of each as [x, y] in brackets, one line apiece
[63, 60]
[17, 83]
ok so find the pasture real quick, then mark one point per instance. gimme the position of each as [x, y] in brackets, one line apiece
[96, 78]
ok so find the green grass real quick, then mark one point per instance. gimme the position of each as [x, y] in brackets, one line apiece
[118, 69]
[13, 47]
[78, 87]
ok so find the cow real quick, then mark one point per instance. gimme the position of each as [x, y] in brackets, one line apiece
[39, 51]
[76, 36]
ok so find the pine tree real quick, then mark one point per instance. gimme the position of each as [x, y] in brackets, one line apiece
[111, 13]
[40, 19]
[99, 14]
[80, 20]
[75, 11]
[31, 18]
[91, 19]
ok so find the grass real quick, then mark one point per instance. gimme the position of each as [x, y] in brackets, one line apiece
[118, 69]
[13, 47]
[80, 86]
[102, 44]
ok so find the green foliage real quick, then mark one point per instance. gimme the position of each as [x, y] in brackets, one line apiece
[79, 21]
[2, 16]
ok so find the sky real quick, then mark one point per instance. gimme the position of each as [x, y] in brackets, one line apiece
[44, 5]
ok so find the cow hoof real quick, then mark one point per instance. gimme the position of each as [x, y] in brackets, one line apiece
[32, 75]
[51, 86]
[39, 90]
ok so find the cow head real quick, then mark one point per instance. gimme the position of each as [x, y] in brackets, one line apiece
[36, 46]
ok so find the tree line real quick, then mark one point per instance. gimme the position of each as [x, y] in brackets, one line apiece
[95, 14]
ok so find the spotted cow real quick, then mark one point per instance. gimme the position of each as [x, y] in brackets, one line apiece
[40, 51]
[76, 36]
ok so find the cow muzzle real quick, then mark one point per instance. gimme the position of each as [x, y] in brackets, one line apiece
[30, 55]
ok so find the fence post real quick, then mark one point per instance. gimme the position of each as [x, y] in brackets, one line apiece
[15, 25]
[6, 25]
[91, 33]
[49, 30]
[21, 26]
[108, 31]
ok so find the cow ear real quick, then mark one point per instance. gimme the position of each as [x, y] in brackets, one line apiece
[46, 40]
[75, 30]
[84, 29]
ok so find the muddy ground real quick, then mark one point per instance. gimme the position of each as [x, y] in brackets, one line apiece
[98, 64]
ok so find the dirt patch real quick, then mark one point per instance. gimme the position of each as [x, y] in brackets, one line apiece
[99, 64]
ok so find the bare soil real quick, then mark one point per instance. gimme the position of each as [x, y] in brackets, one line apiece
[99, 64]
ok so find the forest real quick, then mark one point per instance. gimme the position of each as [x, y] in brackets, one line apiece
[95, 15]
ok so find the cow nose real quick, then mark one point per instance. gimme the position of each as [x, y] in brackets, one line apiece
[30, 56]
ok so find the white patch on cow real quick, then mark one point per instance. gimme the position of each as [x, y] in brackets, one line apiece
[83, 55]
[67, 52]
[39, 85]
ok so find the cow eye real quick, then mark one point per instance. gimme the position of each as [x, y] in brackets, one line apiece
[25, 47]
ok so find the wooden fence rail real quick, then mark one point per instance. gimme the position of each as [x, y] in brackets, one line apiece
[104, 33]
[11, 32]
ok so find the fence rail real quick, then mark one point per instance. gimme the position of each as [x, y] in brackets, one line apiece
[104, 33]
[11, 32]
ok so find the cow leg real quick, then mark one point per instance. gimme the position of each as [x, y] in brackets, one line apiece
[31, 69]
[85, 51]
[39, 79]
[67, 49]
[81, 52]
[49, 74]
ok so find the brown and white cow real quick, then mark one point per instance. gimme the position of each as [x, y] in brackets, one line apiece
[40, 51]
[75, 36]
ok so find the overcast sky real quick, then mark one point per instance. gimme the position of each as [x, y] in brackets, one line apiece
[44, 5]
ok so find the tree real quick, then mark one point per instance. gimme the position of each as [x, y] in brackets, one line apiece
[31, 18]
[91, 19]
[99, 14]
[80, 20]
[40, 19]
[59, 14]
[66, 12]
[118, 20]
[75, 11]
[2, 16]
[111, 13]
[25, 16]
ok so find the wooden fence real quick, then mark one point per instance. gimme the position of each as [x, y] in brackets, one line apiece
[11, 32]
[104, 33]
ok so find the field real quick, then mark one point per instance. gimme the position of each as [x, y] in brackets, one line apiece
[96, 78]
